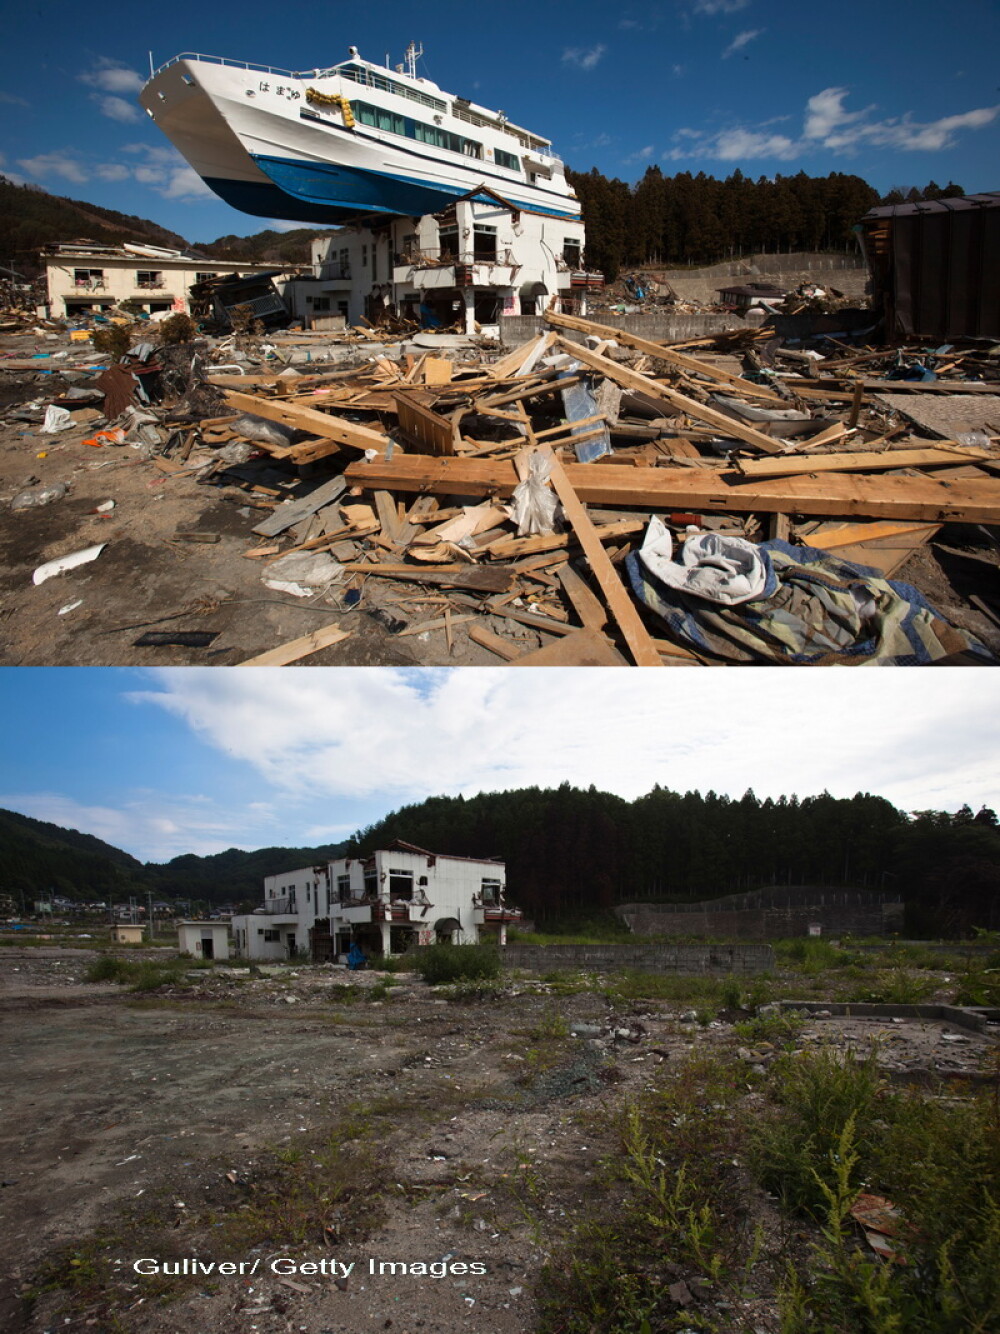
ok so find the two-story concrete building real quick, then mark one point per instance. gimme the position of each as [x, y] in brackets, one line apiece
[395, 898]
[87, 277]
[475, 263]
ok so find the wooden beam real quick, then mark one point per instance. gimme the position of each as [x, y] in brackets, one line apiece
[477, 577]
[586, 604]
[618, 598]
[831, 495]
[503, 648]
[727, 426]
[859, 461]
[693, 364]
[308, 419]
[296, 649]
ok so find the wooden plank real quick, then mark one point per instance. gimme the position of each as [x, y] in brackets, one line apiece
[521, 358]
[618, 598]
[309, 419]
[507, 548]
[727, 426]
[296, 649]
[388, 516]
[586, 604]
[927, 499]
[581, 648]
[859, 461]
[294, 511]
[673, 358]
[852, 534]
[503, 648]
[478, 577]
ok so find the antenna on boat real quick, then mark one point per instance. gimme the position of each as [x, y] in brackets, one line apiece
[412, 56]
[150, 64]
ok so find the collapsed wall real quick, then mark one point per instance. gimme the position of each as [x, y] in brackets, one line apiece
[770, 915]
[681, 959]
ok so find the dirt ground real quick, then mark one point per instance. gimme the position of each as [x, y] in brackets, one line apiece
[149, 580]
[134, 1128]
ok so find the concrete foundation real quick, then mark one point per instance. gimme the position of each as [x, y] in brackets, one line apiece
[681, 959]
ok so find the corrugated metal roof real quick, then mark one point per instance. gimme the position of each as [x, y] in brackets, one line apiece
[957, 204]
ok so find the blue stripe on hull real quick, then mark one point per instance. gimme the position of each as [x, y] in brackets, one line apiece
[265, 200]
[327, 185]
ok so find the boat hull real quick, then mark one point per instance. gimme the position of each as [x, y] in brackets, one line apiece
[273, 156]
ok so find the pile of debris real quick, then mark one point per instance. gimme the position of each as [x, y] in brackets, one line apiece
[595, 498]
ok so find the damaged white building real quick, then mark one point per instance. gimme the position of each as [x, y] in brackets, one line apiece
[480, 260]
[388, 901]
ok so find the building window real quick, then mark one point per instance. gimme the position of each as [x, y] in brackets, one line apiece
[91, 279]
[400, 884]
[272, 935]
[343, 888]
[572, 253]
[203, 277]
[484, 243]
[491, 891]
[505, 159]
[448, 241]
[371, 883]
[149, 279]
[364, 256]
[321, 304]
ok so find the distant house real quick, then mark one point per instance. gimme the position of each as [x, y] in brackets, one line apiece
[744, 295]
[398, 897]
[87, 277]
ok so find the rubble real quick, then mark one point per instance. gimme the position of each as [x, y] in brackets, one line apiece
[416, 463]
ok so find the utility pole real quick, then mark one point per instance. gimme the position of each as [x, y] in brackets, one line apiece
[152, 924]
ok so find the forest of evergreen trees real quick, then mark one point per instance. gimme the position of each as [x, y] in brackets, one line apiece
[685, 219]
[571, 852]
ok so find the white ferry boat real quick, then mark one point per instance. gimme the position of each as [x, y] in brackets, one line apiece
[331, 145]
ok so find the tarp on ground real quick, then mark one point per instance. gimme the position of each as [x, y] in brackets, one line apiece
[815, 609]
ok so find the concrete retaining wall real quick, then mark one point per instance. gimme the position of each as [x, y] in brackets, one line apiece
[683, 959]
[660, 325]
[770, 915]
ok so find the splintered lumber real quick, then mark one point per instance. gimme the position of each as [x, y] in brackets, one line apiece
[581, 648]
[831, 495]
[296, 649]
[477, 577]
[727, 426]
[508, 547]
[619, 601]
[666, 354]
[521, 359]
[334, 429]
[860, 461]
[586, 605]
[425, 430]
[294, 511]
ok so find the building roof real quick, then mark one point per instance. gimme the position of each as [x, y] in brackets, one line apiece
[957, 204]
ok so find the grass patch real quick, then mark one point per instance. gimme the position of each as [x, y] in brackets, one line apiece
[142, 974]
[438, 964]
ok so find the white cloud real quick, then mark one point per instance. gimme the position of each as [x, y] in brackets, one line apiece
[55, 164]
[111, 76]
[741, 40]
[643, 155]
[10, 100]
[399, 735]
[583, 57]
[712, 7]
[166, 171]
[112, 171]
[828, 125]
[116, 108]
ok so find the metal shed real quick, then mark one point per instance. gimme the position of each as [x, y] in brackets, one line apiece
[935, 266]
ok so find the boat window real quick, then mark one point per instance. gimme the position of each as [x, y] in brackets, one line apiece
[381, 119]
[505, 159]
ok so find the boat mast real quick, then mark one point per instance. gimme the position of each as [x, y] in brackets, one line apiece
[412, 56]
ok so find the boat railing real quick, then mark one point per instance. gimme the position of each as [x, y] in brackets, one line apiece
[236, 64]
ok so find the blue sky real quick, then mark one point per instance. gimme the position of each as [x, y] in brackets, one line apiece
[899, 93]
[163, 762]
